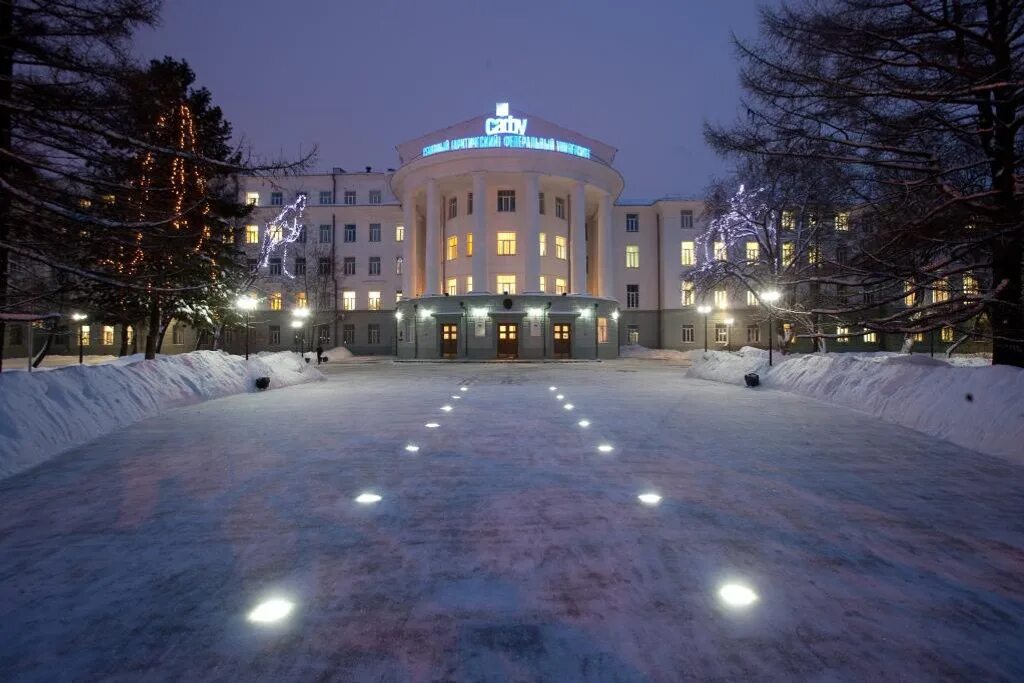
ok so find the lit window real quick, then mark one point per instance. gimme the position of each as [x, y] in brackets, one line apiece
[870, 337]
[908, 292]
[83, 337]
[543, 283]
[452, 252]
[841, 333]
[375, 196]
[842, 222]
[252, 198]
[686, 257]
[453, 286]
[131, 335]
[399, 233]
[918, 336]
[108, 335]
[275, 301]
[721, 253]
[787, 254]
[560, 247]
[453, 207]
[602, 330]
[751, 298]
[506, 244]
[300, 300]
[374, 301]
[632, 222]
[274, 233]
[469, 283]
[721, 298]
[252, 234]
[399, 264]
[721, 333]
[813, 255]
[753, 251]
[506, 283]
[946, 335]
[686, 219]
[398, 296]
[560, 286]
[632, 256]
[688, 293]
[348, 300]
[543, 244]
[788, 220]
[506, 201]
[687, 334]
[559, 208]
[941, 292]
[970, 285]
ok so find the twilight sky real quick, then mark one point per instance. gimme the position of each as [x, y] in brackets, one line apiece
[357, 78]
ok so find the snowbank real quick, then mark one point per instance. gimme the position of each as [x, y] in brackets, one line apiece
[979, 407]
[644, 353]
[44, 413]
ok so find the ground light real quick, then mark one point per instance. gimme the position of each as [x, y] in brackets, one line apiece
[568, 406]
[649, 498]
[560, 397]
[272, 610]
[446, 408]
[432, 425]
[463, 388]
[412, 448]
[737, 595]
[606, 448]
[584, 423]
[456, 397]
[367, 498]
[552, 388]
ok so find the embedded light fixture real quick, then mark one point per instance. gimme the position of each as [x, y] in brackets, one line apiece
[560, 397]
[737, 595]
[246, 303]
[463, 388]
[446, 408]
[729, 321]
[412, 448]
[296, 324]
[771, 296]
[478, 312]
[432, 425]
[300, 313]
[552, 388]
[398, 315]
[78, 317]
[535, 312]
[568, 406]
[649, 498]
[584, 423]
[272, 610]
[606, 448]
[584, 312]
[367, 498]
[425, 313]
[615, 315]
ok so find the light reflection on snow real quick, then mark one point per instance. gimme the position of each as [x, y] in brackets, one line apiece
[367, 498]
[737, 595]
[271, 610]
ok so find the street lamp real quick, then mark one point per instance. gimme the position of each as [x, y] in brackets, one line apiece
[300, 315]
[704, 310]
[297, 325]
[78, 318]
[248, 304]
[728, 333]
[770, 297]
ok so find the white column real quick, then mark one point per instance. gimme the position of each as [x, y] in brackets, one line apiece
[409, 245]
[481, 240]
[578, 239]
[532, 255]
[606, 258]
[432, 248]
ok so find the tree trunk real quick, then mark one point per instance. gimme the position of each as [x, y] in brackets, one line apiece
[164, 324]
[908, 343]
[41, 354]
[153, 331]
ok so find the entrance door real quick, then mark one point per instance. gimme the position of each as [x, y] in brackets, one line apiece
[562, 347]
[508, 340]
[449, 340]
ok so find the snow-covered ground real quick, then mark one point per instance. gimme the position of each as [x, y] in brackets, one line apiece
[509, 547]
[965, 400]
[45, 413]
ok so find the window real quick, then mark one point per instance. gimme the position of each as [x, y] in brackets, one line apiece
[970, 285]
[252, 198]
[753, 334]
[813, 255]
[721, 253]
[399, 233]
[274, 233]
[751, 298]
[373, 333]
[375, 196]
[276, 199]
[350, 197]
[350, 232]
[348, 266]
[326, 197]
[559, 208]
[253, 264]
[540, 203]
[632, 334]
[348, 334]
[469, 244]
[543, 244]
[453, 286]
[686, 219]
[506, 201]
[323, 266]
[787, 254]
[275, 335]
[788, 220]
[559, 247]
[374, 265]
[687, 334]
[300, 266]
[506, 244]
[275, 301]
[688, 295]
[373, 301]
[325, 234]
[469, 203]
[842, 222]
[399, 264]
[560, 286]
[348, 300]
[941, 292]
[686, 254]
[323, 334]
[632, 256]
[946, 335]
[721, 298]
[841, 334]
[275, 266]
[721, 334]
[506, 284]
[632, 296]
[908, 294]
[300, 300]
[452, 251]
[602, 330]
[753, 251]
[108, 334]
[632, 222]
[83, 336]
[453, 207]
[870, 337]
[398, 296]
[252, 234]
[375, 232]
[302, 234]
[542, 286]
[469, 283]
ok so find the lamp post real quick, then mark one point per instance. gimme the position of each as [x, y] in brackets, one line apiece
[769, 298]
[704, 310]
[296, 344]
[78, 318]
[248, 304]
[618, 337]
[728, 333]
[398, 320]
[300, 316]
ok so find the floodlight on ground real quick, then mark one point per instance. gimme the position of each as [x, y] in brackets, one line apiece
[269, 611]
[446, 408]
[463, 388]
[412, 448]
[432, 425]
[584, 423]
[560, 396]
[649, 498]
[737, 595]
[606, 448]
[568, 406]
[367, 498]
